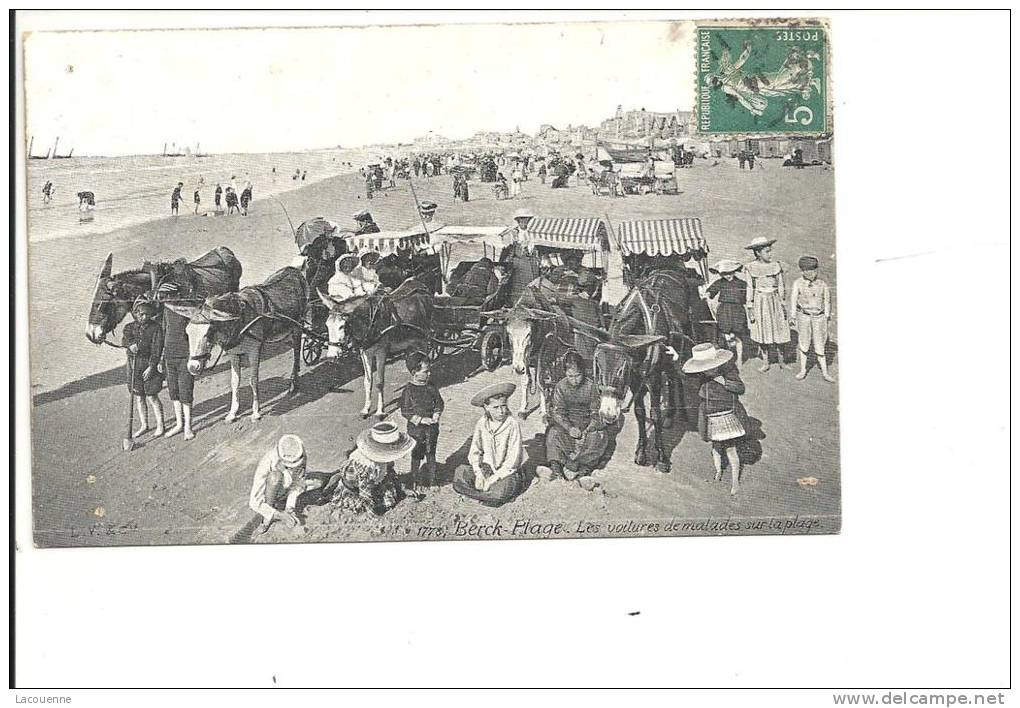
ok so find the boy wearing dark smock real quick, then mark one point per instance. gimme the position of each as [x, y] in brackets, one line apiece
[422, 405]
[143, 340]
[180, 383]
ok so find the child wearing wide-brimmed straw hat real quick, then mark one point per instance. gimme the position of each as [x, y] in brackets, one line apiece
[766, 301]
[493, 475]
[731, 313]
[143, 340]
[811, 309]
[366, 481]
[720, 412]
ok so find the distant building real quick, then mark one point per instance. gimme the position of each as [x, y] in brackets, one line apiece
[645, 124]
[430, 141]
[581, 135]
[549, 135]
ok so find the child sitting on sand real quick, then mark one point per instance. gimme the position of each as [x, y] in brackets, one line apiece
[493, 475]
[143, 340]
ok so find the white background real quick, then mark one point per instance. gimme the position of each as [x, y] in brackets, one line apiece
[913, 593]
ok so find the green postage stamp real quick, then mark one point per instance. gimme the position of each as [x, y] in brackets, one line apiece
[763, 79]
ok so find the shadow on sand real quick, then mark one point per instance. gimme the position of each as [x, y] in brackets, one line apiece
[117, 376]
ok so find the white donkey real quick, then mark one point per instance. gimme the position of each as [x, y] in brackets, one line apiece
[377, 326]
[242, 323]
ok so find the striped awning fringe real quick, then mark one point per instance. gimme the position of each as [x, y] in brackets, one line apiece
[585, 233]
[389, 242]
[661, 237]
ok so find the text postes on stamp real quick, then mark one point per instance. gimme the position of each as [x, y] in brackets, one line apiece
[762, 80]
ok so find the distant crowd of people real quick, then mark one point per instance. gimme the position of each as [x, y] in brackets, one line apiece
[227, 196]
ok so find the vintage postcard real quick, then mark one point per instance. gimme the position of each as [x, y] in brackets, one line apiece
[435, 294]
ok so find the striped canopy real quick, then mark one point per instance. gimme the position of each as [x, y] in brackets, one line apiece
[388, 241]
[588, 234]
[661, 237]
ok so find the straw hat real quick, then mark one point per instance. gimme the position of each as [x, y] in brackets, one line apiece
[705, 357]
[504, 390]
[523, 214]
[759, 242]
[429, 206]
[363, 215]
[384, 442]
[726, 265]
[370, 257]
[291, 450]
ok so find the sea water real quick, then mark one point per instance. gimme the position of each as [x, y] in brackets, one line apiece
[134, 189]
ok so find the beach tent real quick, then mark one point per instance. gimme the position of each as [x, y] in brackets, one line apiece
[813, 150]
[312, 229]
[825, 150]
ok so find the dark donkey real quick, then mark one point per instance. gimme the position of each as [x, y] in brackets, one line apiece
[242, 323]
[379, 325]
[634, 363]
[218, 271]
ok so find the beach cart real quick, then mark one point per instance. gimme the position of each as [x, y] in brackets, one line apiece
[464, 322]
[404, 254]
[643, 243]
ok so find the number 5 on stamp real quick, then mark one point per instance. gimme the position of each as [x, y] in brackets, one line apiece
[762, 80]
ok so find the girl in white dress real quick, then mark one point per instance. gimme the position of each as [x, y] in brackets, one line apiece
[766, 298]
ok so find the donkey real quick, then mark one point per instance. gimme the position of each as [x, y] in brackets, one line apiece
[242, 323]
[216, 272]
[379, 325]
[633, 364]
[542, 327]
[529, 329]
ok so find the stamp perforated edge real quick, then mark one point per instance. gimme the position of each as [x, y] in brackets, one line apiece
[767, 23]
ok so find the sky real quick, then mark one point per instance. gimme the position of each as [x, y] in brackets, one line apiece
[268, 90]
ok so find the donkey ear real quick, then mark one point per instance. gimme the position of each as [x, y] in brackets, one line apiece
[188, 311]
[221, 316]
[328, 301]
[638, 341]
[541, 315]
[107, 268]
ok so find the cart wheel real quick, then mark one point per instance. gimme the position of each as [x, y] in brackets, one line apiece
[311, 351]
[492, 349]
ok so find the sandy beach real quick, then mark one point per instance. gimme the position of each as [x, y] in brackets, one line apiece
[87, 491]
